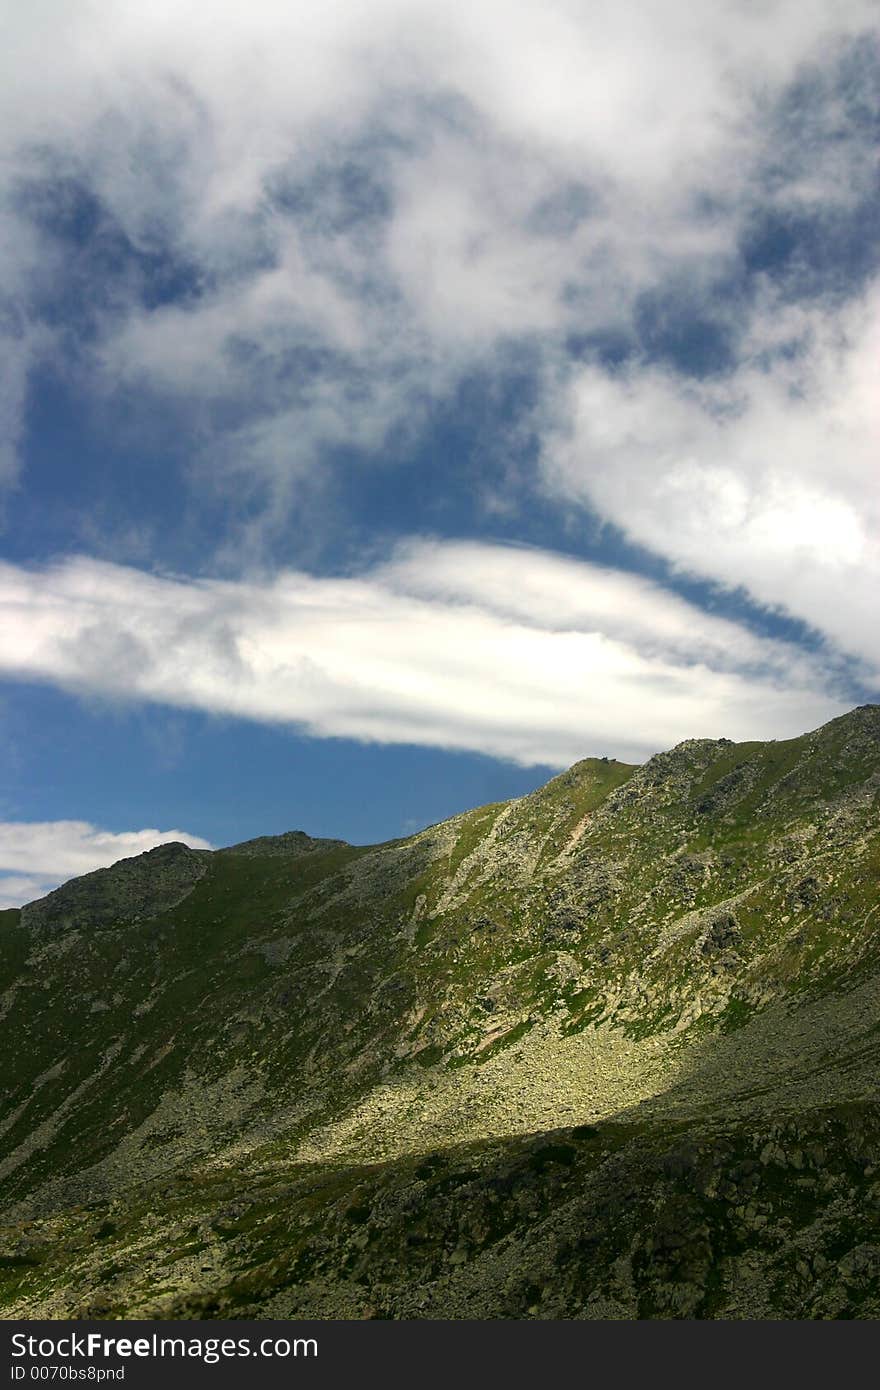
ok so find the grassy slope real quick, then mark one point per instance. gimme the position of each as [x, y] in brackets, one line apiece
[681, 957]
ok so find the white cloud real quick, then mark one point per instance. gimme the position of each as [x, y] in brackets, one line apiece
[527, 173]
[765, 479]
[475, 120]
[17, 889]
[36, 856]
[514, 653]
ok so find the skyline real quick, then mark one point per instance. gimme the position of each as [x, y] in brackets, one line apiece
[399, 405]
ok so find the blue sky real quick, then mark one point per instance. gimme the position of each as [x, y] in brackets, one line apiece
[396, 406]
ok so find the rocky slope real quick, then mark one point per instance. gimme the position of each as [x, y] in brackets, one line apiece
[609, 1050]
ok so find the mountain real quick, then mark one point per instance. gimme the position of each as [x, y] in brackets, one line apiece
[609, 1050]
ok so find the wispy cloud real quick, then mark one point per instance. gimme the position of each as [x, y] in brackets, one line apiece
[510, 652]
[35, 856]
[293, 226]
[765, 478]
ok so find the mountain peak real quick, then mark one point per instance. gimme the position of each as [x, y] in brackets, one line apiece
[128, 891]
[289, 843]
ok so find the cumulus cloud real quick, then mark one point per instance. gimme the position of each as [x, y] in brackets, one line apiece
[17, 889]
[510, 652]
[36, 856]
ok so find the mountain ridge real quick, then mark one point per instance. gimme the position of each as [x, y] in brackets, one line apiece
[682, 948]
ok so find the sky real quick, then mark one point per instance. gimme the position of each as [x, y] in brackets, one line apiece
[400, 401]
